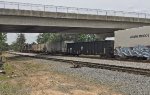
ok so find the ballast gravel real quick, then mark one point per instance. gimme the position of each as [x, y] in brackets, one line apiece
[129, 84]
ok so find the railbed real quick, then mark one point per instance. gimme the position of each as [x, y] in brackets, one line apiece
[91, 60]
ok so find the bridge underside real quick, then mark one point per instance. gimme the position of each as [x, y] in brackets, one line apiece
[26, 21]
[52, 29]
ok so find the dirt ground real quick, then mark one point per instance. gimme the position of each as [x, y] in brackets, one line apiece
[24, 76]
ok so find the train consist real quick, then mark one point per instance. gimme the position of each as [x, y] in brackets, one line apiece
[103, 48]
[130, 43]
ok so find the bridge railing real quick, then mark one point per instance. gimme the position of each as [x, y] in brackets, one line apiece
[51, 8]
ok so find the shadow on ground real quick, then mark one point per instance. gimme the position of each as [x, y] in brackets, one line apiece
[19, 58]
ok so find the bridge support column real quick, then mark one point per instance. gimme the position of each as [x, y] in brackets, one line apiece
[102, 37]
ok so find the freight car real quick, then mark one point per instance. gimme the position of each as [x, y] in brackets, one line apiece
[133, 42]
[39, 48]
[102, 48]
[59, 47]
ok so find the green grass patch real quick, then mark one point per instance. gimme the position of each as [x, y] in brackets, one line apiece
[9, 88]
[9, 68]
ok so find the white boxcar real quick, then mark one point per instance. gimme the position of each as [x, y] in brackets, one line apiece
[57, 47]
[133, 37]
[38, 47]
[133, 42]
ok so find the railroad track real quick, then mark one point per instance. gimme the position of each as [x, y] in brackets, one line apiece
[138, 71]
[120, 59]
[79, 64]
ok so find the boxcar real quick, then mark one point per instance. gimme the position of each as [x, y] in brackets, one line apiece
[38, 48]
[59, 47]
[103, 48]
[133, 42]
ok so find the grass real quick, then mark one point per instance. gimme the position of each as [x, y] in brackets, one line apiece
[9, 89]
[11, 85]
[9, 69]
[6, 87]
[21, 67]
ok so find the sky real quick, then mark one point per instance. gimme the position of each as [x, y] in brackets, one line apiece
[118, 5]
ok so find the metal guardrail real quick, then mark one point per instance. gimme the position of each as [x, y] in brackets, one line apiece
[62, 9]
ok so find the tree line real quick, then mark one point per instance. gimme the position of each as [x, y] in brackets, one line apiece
[52, 37]
[18, 45]
[3, 44]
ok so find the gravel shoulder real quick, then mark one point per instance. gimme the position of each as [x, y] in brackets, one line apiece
[29, 76]
[129, 84]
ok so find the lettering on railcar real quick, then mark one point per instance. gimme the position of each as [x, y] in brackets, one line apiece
[140, 36]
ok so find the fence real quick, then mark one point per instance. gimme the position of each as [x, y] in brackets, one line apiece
[51, 8]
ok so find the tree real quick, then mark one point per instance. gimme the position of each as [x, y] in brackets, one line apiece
[14, 46]
[45, 37]
[3, 38]
[20, 42]
[84, 37]
[53, 37]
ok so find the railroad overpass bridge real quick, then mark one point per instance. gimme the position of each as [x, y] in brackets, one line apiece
[34, 18]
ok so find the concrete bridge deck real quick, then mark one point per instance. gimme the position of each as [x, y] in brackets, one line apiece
[39, 19]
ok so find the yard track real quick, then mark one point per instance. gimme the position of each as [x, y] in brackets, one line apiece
[79, 64]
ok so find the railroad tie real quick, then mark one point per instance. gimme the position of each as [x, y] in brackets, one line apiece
[75, 65]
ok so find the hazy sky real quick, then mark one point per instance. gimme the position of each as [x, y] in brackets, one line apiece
[120, 5]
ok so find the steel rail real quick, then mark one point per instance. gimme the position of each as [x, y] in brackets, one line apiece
[137, 71]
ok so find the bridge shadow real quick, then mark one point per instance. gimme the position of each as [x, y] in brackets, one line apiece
[18, 58]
